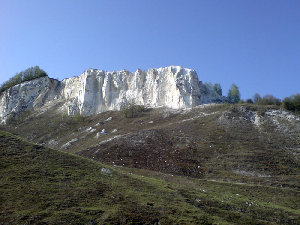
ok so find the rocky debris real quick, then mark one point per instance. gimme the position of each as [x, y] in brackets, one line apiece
[200, 115]
[106, 171]
[282, 114]
[68, 144]
[249, 203]
[250, 173]
[96, 91]
[100, 124]
[239, 113]
[250, 115]
[110, 139]
[99, 134]
[284, 121]
[281, 119]
[108, 119]
[52, 143]
[90, 130]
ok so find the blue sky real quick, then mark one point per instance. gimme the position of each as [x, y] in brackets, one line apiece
[254, 44]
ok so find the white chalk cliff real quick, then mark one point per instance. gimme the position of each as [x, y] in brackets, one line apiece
[97, 91]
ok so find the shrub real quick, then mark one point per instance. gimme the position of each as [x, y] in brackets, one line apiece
[269, 100]
[131, 110]
[78, 118]
[249, 100]
[26, 75]
[16, 118]
[292, 103]
[287, 103]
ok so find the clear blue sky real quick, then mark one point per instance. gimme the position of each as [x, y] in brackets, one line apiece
[254, 44]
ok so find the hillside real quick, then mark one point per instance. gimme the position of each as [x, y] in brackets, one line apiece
[44, 186]
[244, 143]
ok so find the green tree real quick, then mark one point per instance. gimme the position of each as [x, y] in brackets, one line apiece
[234, 95]
[296, 102]
[292, 103]
[218, 89]
[288, 104]
[26, 75]
[209, 85]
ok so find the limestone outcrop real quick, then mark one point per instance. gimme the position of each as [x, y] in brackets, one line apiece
[97, 91]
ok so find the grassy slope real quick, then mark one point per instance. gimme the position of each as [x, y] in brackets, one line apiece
[203, 147]
[44, 186]
[195, 143]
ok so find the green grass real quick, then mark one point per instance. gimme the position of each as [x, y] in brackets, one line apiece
[39, 185]
[230, 201]
[220, 149]
[43, 185]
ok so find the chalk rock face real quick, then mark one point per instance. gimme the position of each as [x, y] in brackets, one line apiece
[27, 96]
[97, 91]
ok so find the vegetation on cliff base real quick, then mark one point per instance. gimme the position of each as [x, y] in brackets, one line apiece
[132, 110]
[26, 75]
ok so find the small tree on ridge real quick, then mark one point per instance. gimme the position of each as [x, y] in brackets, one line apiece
[234, 95]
